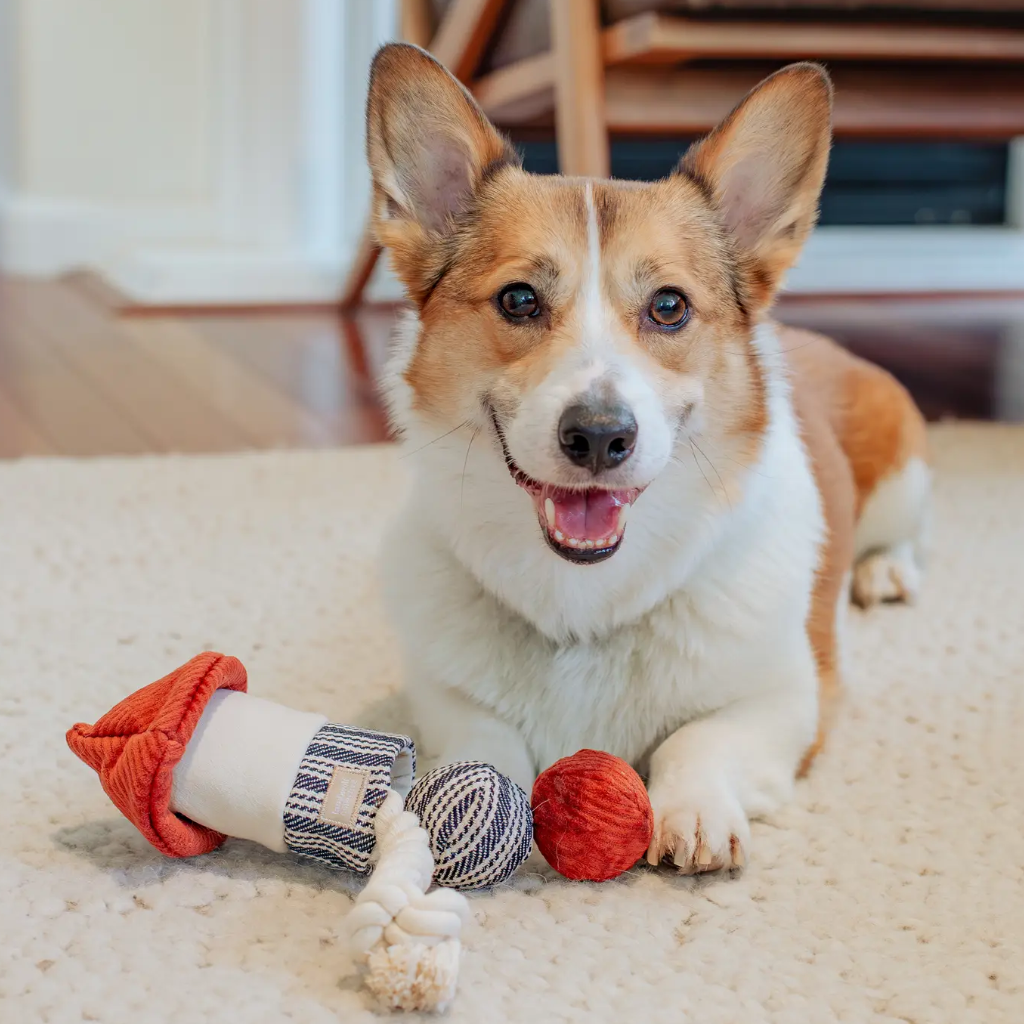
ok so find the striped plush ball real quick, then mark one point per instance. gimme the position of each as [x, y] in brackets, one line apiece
[592, 818]
[479, 823]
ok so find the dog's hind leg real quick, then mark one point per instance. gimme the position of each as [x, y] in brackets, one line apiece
[891, 535]
[882, 434]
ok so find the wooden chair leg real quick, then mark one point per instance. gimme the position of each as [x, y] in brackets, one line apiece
[416, 22]
[417, 27]
[458, 43]
[580, 126]
[361, 269]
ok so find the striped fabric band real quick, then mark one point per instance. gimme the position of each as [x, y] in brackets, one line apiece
[343, 779]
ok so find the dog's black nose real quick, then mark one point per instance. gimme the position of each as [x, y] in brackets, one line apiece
[598, 437]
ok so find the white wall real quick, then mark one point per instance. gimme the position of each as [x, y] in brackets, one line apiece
[191, 150]
[116, 100]
[108, 118]
[8, 73]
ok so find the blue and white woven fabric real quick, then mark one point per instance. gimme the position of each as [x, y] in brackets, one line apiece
[479, 822]
[341, 783]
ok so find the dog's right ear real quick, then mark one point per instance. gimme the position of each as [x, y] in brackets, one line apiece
[429, 145]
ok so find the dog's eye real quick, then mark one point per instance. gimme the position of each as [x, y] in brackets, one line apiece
[518, 301]
[668, 308]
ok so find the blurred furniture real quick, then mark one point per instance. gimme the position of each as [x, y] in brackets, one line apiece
[459, 42]
[950, 69]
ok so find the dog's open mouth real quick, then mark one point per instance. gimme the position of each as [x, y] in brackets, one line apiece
[583, 526]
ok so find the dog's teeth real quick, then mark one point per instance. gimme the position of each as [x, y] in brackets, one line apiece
[623, 516]
[549, 511]
[559, 535]
[613, 540]
[591, 543]
[573, 542]
[602, 543]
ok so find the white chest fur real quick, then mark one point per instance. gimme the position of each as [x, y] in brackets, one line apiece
[707, 595]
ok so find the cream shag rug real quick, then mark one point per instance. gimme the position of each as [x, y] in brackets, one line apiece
[893, 890]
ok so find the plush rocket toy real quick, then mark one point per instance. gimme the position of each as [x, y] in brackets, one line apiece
[193, 758]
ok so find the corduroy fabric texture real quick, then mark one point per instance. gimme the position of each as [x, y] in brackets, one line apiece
[592, 818]
[135, 746]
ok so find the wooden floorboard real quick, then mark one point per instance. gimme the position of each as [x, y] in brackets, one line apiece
[18, 434]
[158, 402]
[53, 397]
[307, 357]
[262, 413]
[81, 376]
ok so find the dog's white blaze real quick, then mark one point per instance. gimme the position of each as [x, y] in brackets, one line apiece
[704, 607]
[592, 299]
[597, 318]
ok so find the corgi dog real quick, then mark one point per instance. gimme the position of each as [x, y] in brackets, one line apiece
[639, 506]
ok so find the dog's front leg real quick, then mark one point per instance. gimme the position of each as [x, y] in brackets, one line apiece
[453, 728]
[709, 777]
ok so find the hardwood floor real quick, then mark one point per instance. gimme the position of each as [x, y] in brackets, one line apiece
[959, 358]
[76, 378]
[79, 378]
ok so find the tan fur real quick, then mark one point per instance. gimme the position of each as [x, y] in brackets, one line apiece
[462, 328]
[836, 486]
[872, 415]
[859, 425]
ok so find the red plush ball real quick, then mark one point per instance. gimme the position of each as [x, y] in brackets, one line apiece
[592, 818]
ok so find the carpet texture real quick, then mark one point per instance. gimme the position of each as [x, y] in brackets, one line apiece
[892, 890]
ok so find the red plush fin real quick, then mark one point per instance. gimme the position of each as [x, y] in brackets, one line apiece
[135, 746]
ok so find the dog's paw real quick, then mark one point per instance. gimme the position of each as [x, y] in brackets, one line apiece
[891, 575]
[698, 833]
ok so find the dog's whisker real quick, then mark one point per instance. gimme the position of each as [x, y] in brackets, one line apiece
[702, 473]
[796, 348]
[714, 469]
[447, 433]
[749, 466]
[462, 491]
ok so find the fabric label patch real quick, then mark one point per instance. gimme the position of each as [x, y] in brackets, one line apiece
[342, 781]
[344, 795]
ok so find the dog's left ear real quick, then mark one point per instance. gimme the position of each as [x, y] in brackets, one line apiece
[765, 165]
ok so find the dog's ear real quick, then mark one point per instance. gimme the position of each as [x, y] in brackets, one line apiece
[764, 167]
[429, 145]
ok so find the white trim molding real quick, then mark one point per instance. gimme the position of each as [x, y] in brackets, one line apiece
[912, 259]
[920, 259]
[42, 236]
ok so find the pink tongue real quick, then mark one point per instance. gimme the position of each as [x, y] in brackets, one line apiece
[584, 515]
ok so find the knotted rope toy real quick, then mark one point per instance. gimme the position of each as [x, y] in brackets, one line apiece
[193, 758]
[406, 937]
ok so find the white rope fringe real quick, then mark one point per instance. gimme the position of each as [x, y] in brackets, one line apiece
[406, 937]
